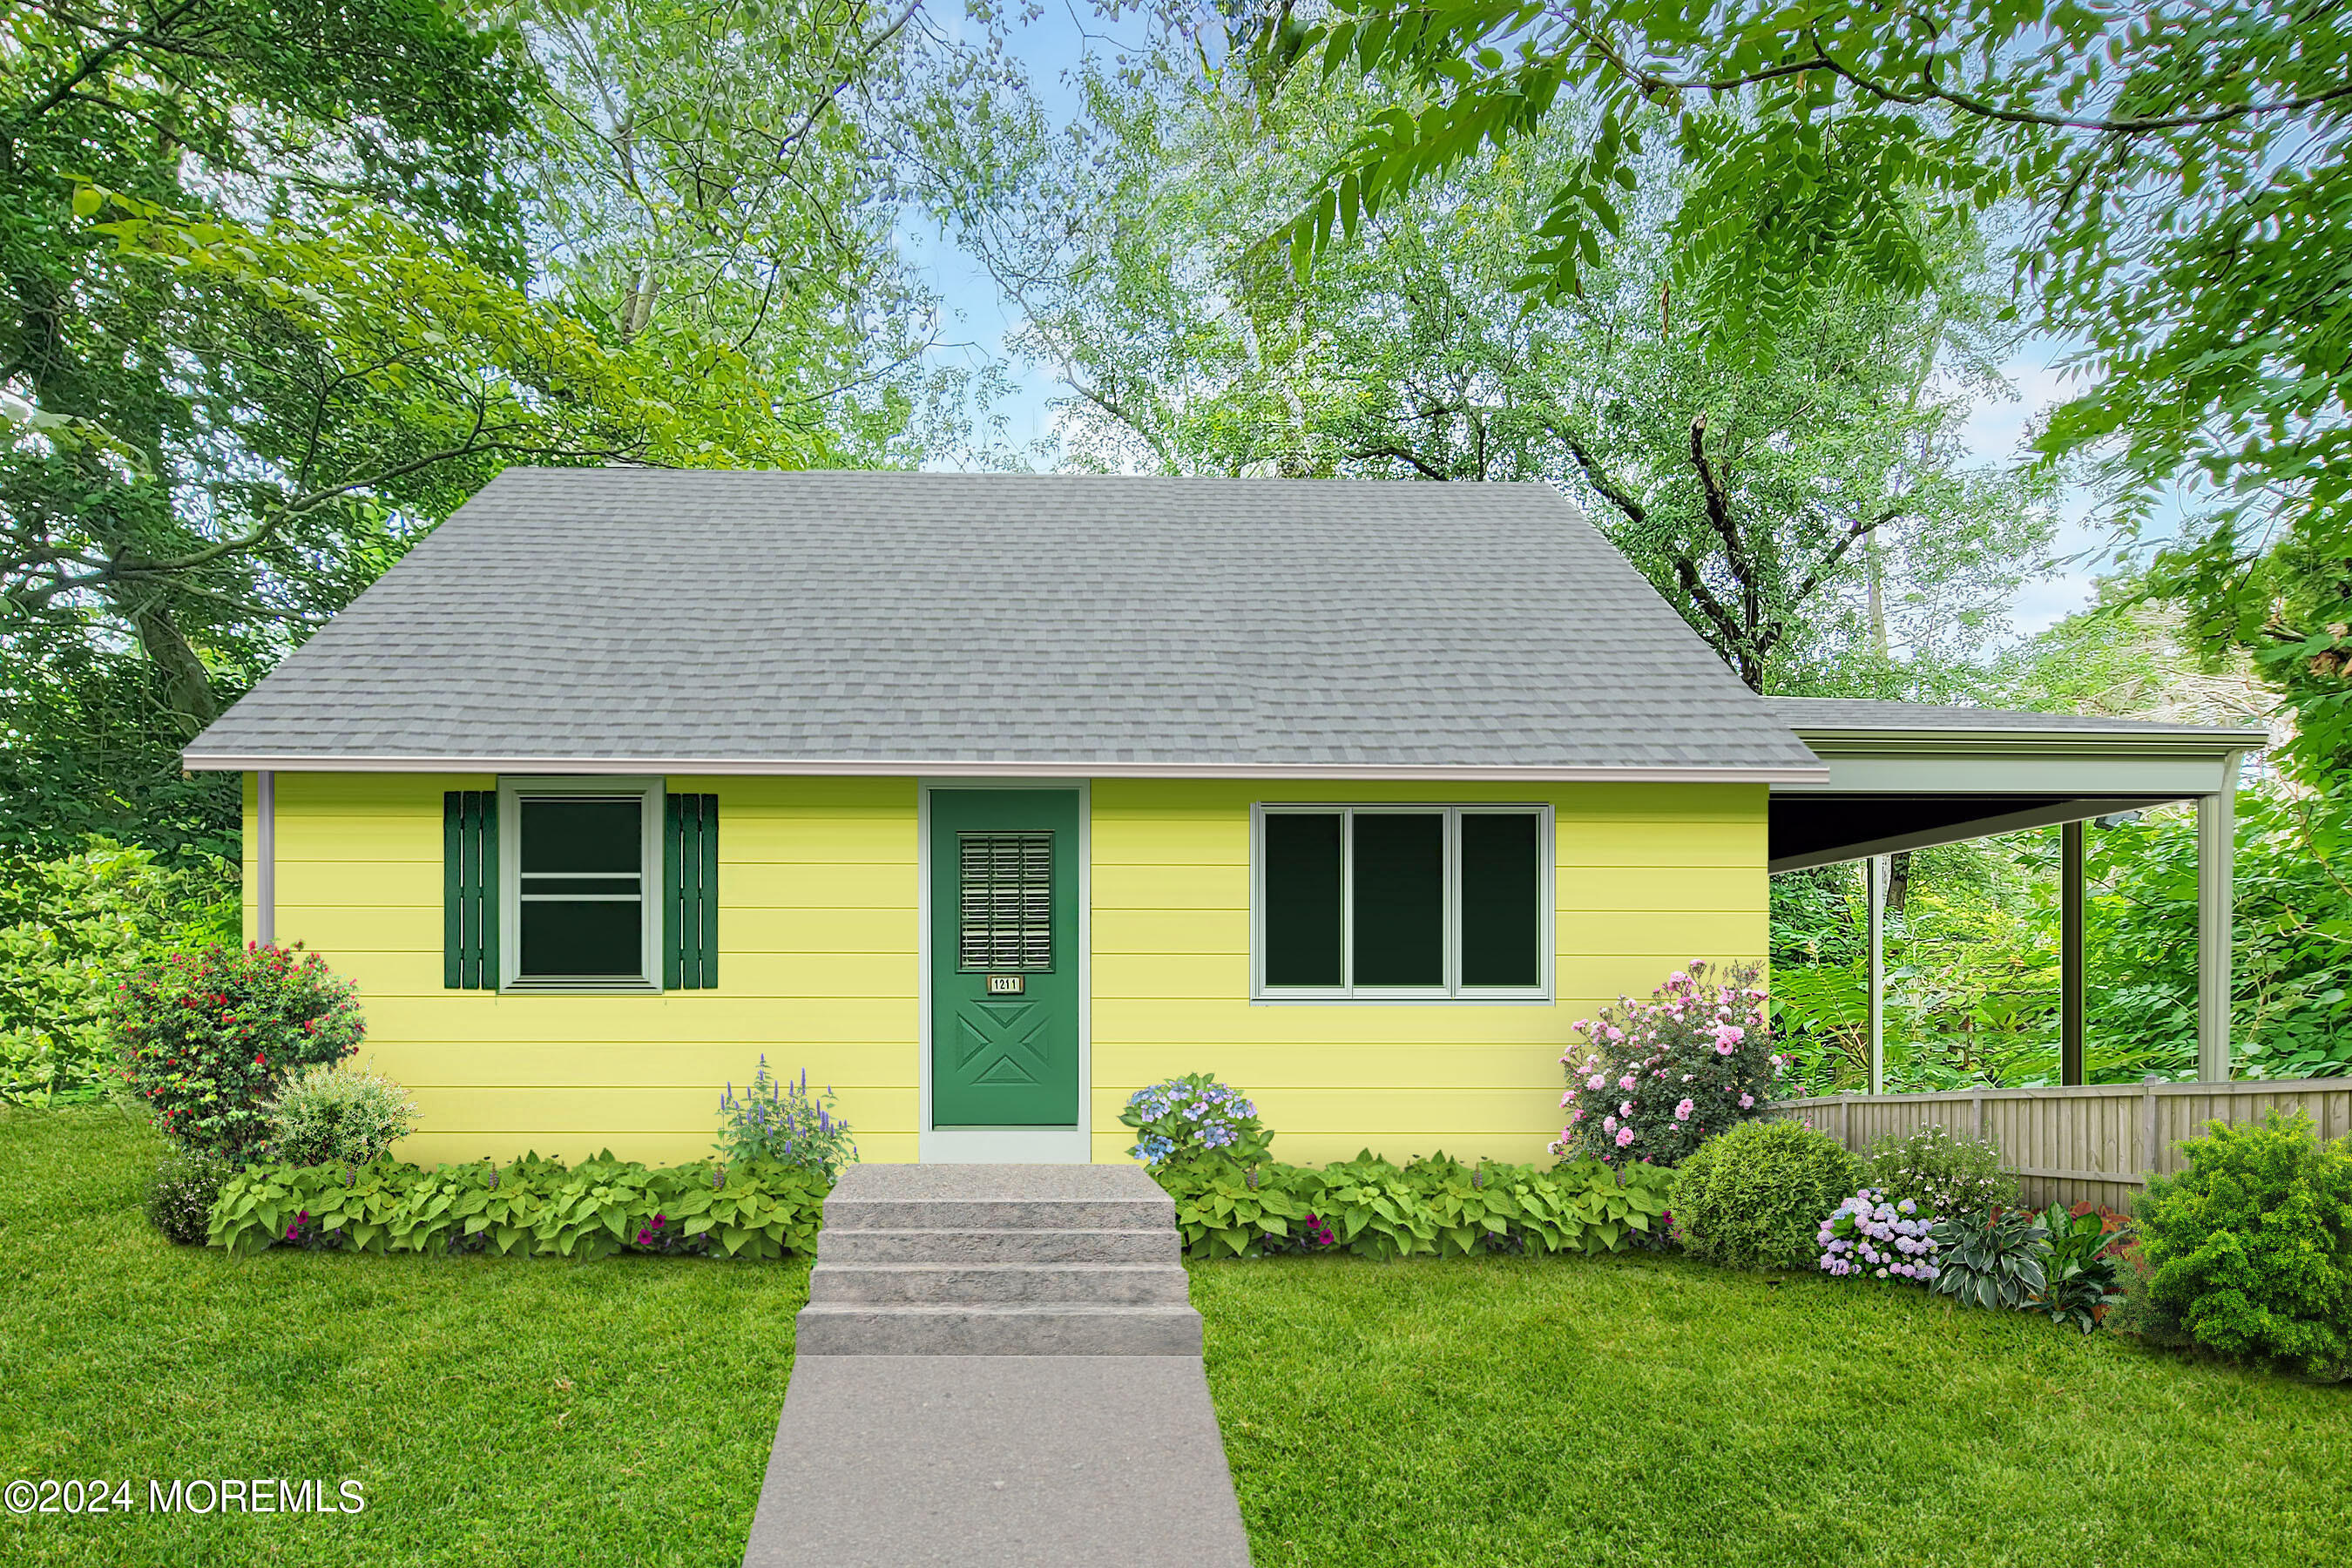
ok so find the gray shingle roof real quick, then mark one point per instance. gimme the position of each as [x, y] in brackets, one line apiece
[872, 621]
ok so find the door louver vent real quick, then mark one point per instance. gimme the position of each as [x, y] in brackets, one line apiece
[1006, 888]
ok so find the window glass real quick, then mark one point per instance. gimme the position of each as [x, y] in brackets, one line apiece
[582, 893]
[1400, 899]
[1502, 892]
[1302, 899]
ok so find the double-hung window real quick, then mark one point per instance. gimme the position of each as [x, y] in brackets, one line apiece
[582, 898]
[1401, 902]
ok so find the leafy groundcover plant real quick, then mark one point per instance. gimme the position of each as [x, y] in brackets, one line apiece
[1183, 1118]
[1937, 1171]
[328, 1114]
[1754, 1197]
[745, 1208]
[1434, 1208]
[785, 1124]
[1869, 1236]
[208, 1038]
[2249, 1251]
[1655, 1079]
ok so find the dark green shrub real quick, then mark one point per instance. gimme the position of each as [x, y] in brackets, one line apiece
[1943, 1173]
[180, 1195]
[1754, 1197]
[2249, 1251]
[207, 1037]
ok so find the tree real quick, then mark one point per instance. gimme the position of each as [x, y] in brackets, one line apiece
[279, 305]
[2183, 162]
[1767, 499]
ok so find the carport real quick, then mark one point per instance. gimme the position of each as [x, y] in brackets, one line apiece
[1905, 775]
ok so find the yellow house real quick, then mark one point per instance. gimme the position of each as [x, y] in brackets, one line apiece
[989, 800]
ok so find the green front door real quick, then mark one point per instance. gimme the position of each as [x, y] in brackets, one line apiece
[1005, 958]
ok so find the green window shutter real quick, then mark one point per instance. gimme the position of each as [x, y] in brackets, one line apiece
[690, 892]
[469, 890]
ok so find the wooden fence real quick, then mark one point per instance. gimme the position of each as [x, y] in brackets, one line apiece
[2098, 1141]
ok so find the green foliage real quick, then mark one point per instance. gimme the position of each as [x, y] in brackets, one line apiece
[2083, 1271]
[2249, 1251]
[69, 929]
[207, 1037]
[746, 1209]
[2184, 172]
[1992, 1260]
[784, 1123]
[1432, 1207]
[181, 1194]
[1755, 1196]
[1950, 1176]
[332, 1114]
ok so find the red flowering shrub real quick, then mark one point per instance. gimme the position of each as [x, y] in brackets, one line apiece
[1654, 1079]
[207, 1037]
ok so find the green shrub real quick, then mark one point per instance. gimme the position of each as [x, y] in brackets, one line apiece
[2249, 1251]
[181, 1194]
[1434, 1208]
[1754, 1197]
[1947, 1175]
[749, 1208]
[69, 929]
[2084, 1267]
[784, 1121]
[207, 1037]
[328, 1114]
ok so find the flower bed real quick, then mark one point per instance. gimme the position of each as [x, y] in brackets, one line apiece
[749, 1208]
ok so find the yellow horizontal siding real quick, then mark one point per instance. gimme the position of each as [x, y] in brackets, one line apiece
[1646, 878]
[817, 970]
[819, 938]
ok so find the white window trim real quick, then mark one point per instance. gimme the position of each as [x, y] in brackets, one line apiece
[1453, 991]
[512, 792]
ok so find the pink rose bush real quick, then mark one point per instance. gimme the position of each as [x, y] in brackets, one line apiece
[1653, 1079]
[1867, 1235]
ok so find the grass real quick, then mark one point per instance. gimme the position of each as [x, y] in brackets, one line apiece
[1637, 1410]
[1646, 1409]
[495, 1411]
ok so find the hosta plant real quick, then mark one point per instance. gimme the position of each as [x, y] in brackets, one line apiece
[1992, 1260]
[1653, 1079]
[1870, 1236]
[1184, 1118]
[2083, 1270]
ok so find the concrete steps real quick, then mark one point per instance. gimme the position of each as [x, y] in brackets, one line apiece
[998, 1260]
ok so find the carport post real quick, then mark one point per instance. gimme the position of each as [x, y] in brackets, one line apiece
[2070, 954]
[2216, 868]
[1874, 871]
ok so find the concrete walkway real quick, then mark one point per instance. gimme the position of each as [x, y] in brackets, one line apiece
[998, 1366]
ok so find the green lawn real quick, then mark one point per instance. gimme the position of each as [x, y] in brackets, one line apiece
[1627, 1411]
[497, 1411]
[1646, 1410]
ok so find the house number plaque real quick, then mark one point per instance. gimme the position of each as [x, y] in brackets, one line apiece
[1008, 985]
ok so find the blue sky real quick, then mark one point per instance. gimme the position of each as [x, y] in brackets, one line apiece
[979, 318]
